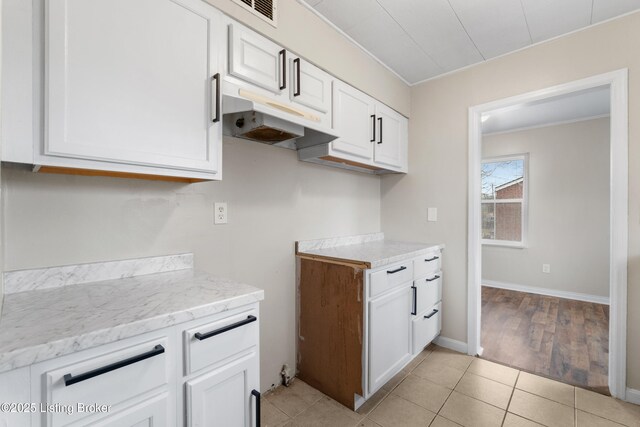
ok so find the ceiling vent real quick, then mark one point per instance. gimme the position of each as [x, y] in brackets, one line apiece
[264, 9]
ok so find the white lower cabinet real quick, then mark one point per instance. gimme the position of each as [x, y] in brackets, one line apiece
[389, 335]
[150, 413]
[225, 397]
[148, 380]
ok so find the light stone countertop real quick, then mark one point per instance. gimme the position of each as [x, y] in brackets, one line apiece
[41, 324]
[371, 250]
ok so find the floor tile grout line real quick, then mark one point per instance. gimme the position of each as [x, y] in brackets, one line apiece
[513, 390]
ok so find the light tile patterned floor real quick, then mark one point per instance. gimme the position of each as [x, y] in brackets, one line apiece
[441, 388]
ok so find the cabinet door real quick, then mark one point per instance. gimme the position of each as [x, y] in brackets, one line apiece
[149, 413]
[353, 120]
[310, 86]
[391, 143]
[133, 81]
[256, 59]
[389, 335]
[223, 397]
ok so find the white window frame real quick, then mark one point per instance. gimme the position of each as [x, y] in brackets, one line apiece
[525, 201]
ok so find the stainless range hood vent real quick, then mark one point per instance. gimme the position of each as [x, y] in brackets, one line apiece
[257, 118]
[259, 127]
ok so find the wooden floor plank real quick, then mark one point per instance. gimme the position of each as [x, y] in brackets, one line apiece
[558, 338]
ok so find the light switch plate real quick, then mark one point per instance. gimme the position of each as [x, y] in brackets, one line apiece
[546, 268]
[432, 214]
[220, 213]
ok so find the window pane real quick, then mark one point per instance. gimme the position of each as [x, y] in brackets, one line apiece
[488, 221]
[508, 218]
[502, 179]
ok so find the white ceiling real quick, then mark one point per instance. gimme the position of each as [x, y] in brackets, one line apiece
[576, 106]
[420, 39]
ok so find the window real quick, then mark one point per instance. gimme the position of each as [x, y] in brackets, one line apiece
[504, 201]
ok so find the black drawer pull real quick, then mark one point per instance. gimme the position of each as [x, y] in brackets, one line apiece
[70, 380]
[414, 310]
[397, 270]
[433, 278]
[256, 394]
[432, 259]
[296, 65]
[380, 121]
[429, 316]
[283, 55]
[227, 328]
[373, 121]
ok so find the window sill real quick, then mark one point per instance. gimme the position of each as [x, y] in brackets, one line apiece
[504, 244]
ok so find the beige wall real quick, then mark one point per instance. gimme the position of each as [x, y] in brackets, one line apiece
[568, 209]
[302, 32]
[273, 200]
[438, 153]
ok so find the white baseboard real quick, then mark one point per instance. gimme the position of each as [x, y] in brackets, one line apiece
[549, 292]
[451, 344]
[633, 396]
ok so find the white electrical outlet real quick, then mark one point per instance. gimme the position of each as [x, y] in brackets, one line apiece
[432, 214]
[220, 213]
[546, 268]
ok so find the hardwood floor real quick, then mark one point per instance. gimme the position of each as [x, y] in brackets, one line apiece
[558, 338]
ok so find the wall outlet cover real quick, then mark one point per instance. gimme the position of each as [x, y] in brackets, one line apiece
[432, 214]
[220, 213]
[546, 268]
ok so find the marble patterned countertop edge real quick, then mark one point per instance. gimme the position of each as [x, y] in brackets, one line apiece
[33, 354]
[139, 296]
[372, 250]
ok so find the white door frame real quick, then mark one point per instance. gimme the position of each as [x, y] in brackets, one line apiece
[618, 215]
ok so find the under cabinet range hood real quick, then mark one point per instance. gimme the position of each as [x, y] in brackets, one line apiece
[255, 117]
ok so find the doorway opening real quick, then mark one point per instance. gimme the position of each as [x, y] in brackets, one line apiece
[548, 232]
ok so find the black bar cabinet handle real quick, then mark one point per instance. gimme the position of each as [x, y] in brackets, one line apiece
[380, 121]
[204, 336]
[430, 315]
[397, 270]
[256, 394]
[432, 259]
[70, 379]
[373, 122]
[216, 118]
[414, 310]
[296, 64]
[433, 278]
[283, 55]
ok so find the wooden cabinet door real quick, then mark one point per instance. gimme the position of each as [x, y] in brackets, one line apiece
[256, 59]
[133, 81]
[309, 85]
[353, 120]
[392, 139]
[389, 335]
[223, 397]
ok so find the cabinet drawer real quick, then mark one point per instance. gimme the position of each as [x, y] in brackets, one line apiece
[107, 380]
[391, 277]
[428, 291]
[427, 264]
[215, 341]
[426, 327]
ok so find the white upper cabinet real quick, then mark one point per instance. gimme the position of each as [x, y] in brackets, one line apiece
[373, 137]
[256, 59]
[353, 120]
[133, 82]
[310, 86]
[391, 143]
